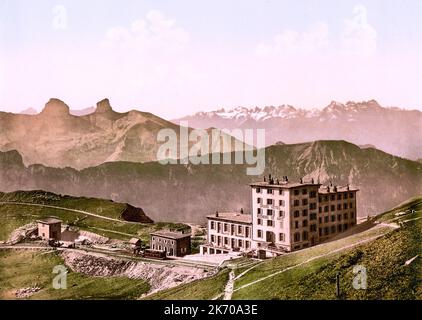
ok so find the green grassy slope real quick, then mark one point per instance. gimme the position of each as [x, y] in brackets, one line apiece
[16, 273]
[102, 207]
[13, 216]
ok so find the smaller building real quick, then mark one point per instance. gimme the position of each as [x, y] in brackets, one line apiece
[227, 232]
[174, 244]
[135, 244]
[50, 229]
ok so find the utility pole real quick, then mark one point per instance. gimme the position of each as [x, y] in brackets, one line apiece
[338, 285]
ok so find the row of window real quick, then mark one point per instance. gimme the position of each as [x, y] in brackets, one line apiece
[312, 216]
[260, 235]
[270, 223]
[161, 240]
[338, 196]
[345, 216]
[304, 236]
[334, 229]
[226, 227]
[282, 237]
[270, 191]
[327, 219]
[312, 194]
[296, 203]
[281, 203]
[304, 224]
[297, 236]
[233, 243]
[296, 192]
[270, 212]
[333, 207]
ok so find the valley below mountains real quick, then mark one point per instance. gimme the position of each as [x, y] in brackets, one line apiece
[187, 193]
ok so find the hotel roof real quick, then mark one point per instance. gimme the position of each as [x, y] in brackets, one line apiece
[334, 189]
[232, 216]
[283, 184]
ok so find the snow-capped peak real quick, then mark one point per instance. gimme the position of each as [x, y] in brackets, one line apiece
[333, 111]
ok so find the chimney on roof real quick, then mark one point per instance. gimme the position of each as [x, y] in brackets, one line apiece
[216, 214]
[335, 189]
[270, 179]
[328, 189]
[331, 183]
[241, 210]
[278, 181]
[313, 181]
[348, 187]
[301, 180]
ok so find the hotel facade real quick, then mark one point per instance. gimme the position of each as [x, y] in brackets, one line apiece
[286, 216]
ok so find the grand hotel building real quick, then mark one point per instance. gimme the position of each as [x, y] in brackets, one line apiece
[286, 216]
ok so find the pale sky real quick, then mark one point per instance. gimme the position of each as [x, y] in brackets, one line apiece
[174, 58]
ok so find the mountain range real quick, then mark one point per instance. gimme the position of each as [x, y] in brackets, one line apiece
[393, 130]
[57, 138]
[187, 193]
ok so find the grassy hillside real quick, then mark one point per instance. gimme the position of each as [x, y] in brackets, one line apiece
[102, 207]
[13, 216]
[16, 273]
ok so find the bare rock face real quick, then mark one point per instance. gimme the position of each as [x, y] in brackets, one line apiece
[135, 215]
[57, 138]
[56, 108]
[159, 276]
[104, 106]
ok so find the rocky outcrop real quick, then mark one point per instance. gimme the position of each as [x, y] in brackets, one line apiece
[135, 215]
[55, 108]
[103, 106]
[22, 233]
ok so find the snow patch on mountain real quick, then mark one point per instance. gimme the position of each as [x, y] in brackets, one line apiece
[333, 111]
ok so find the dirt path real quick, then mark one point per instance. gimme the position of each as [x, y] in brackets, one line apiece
[66, 209]
[228, 290]
[246, 271]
